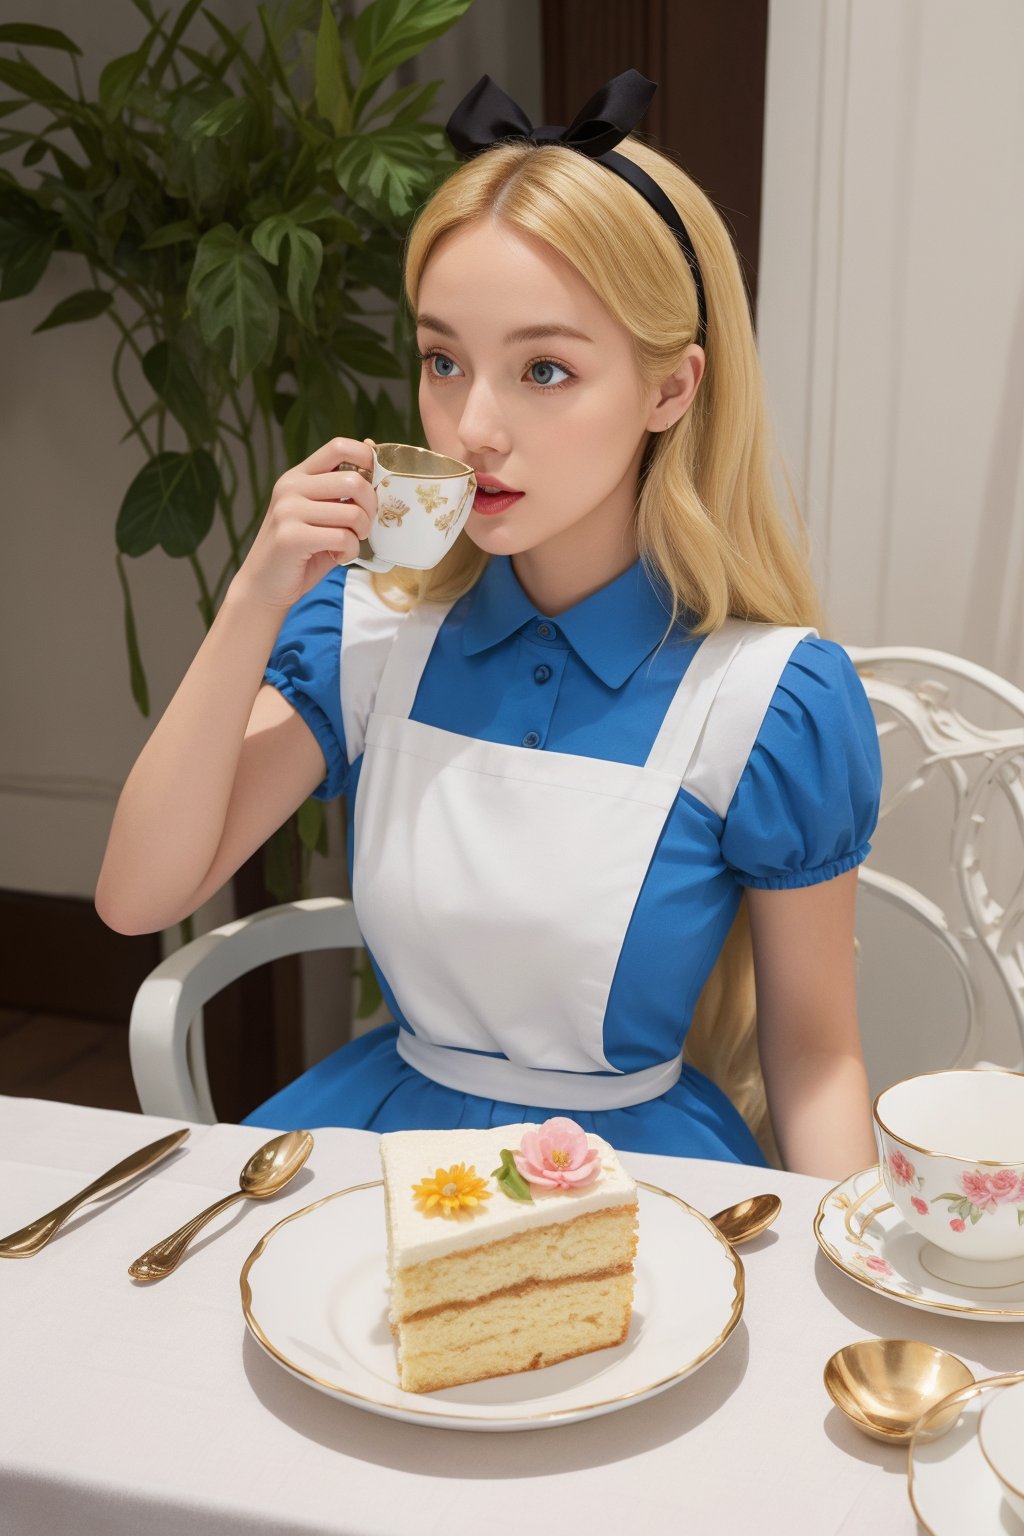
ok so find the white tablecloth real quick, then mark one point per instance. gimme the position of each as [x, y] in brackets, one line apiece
[131, 1409]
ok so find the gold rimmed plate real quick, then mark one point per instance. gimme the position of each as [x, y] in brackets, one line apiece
[863, 1234]
[314, 1295]
[952, 1488]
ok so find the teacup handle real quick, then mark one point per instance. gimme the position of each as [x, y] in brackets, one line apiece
[376, 564]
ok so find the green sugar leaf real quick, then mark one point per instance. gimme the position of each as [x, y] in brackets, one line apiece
[511, 1180]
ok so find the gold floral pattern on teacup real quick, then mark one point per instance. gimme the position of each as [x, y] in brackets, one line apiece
[430, 497]
[391, 511]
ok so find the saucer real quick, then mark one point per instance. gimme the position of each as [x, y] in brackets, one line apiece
[862, 1233]
[951, 1486]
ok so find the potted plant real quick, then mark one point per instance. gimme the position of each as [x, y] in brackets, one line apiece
[238, 208]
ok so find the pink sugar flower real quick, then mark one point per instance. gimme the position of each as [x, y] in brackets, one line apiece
[957, 1224]
[920, 1206]
[557, 1155]
[901, 1168]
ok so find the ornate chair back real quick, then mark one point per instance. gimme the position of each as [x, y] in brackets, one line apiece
[941, 899]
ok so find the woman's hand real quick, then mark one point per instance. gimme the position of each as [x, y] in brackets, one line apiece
[317, 516]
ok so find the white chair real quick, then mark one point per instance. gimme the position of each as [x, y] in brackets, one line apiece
[941, 897]
[941, 969]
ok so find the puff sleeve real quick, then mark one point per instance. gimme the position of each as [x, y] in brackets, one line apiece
[305, 665]
[807, 800]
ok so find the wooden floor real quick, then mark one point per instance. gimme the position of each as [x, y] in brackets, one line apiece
[80, 1061]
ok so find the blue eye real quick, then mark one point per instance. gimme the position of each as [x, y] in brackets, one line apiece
[546, 362]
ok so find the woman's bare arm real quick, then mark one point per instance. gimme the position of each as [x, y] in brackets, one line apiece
[808, 1037]
[230, 760]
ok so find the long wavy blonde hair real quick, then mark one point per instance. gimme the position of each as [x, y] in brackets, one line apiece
[706, 516]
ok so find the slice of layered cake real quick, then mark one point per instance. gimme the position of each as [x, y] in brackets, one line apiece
[508, 1249]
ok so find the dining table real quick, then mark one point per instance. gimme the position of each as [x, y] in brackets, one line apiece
[130, 1408]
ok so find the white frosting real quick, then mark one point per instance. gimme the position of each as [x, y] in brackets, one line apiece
[408, 1157]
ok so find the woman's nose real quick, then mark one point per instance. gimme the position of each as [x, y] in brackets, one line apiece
[481, 426]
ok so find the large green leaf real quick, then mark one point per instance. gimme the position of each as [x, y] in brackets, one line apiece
[170, 502]
[323, 409]
[330, 80]
[360, 348]
[27, 35]
[169, 374]
[170, 234]
[28, 235]
[390, 31]
[78, 306]
[222, 119]
[119, 76]
[406, 104]
[317, 208]
[304, 256]
[386, 172]
[33, 84]
[232, 296]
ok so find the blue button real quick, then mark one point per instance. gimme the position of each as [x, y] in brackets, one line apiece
[541, 674]
[531, 739]
[545, 631]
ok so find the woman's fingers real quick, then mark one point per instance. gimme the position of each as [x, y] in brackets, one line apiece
[338, 451]
[336, 485]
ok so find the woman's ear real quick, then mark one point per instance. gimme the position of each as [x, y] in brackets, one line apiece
[675, 394]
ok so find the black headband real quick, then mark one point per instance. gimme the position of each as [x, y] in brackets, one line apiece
[486, 114]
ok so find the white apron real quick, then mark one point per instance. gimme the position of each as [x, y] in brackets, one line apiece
[494, 884]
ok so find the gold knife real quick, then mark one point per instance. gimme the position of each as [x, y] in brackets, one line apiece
[29, 1240]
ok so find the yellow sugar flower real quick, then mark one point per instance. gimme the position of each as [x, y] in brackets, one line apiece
[451, 1190]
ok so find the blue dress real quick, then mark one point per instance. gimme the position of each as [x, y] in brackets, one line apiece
[596, 682]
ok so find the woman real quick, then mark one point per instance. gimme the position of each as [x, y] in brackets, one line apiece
[573, 748]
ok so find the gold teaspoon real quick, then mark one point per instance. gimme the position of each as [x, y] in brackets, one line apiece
[885, 1386]
[739, 1223]
[266, 1172]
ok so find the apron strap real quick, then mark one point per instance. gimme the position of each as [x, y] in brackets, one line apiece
[711, 725]
[416, 633]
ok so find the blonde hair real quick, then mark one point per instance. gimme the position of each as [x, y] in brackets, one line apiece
[706, 518]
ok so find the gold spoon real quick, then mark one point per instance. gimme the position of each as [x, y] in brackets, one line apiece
[885, 1386]
[739, 1223]
[266, 1172]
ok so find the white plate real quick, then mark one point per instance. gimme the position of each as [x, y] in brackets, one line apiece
[864, 1235]
[314, 1294]
[1001, 1437]
[953, 1489]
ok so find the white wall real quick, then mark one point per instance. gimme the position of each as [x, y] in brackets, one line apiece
[891, 311]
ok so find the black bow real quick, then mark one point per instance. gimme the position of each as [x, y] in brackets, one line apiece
[487, 114]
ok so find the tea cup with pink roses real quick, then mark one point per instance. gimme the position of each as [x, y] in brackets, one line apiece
[951, 1155]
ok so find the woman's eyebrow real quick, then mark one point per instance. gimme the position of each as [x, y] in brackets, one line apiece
[525, 333]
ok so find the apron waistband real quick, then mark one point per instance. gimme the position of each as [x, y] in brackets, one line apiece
[494, 1077]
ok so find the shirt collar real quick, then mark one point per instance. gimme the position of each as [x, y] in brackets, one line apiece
[612, 631]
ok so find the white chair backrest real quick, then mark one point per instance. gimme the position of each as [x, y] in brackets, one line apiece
[941, 905]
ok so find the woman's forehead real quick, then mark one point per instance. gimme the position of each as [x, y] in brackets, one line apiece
[514, 286]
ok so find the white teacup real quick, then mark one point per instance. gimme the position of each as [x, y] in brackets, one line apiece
[951, 1155]
[423, 501]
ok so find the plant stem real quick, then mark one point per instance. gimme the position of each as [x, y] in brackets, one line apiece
[136, 425]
